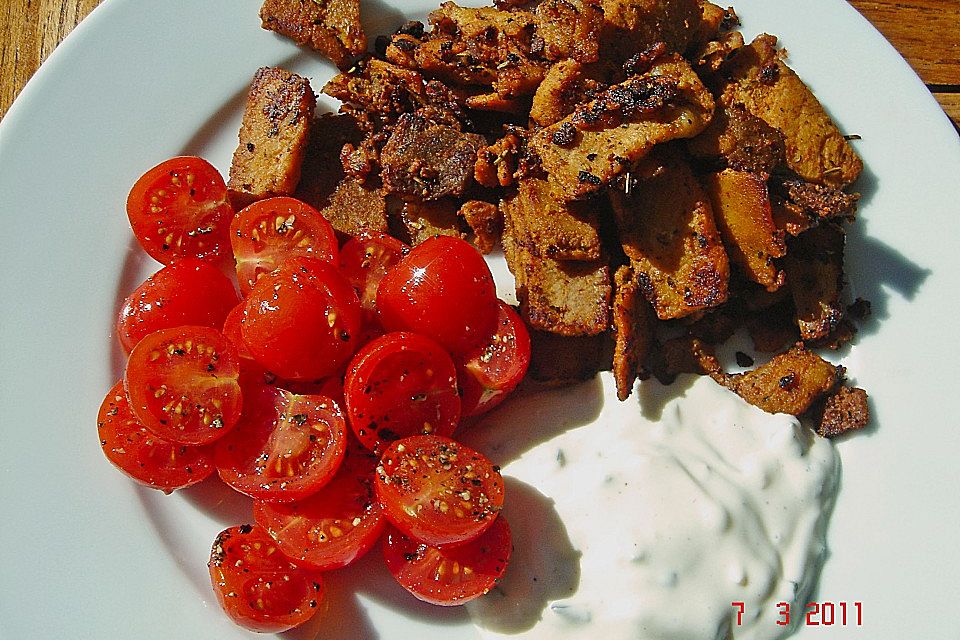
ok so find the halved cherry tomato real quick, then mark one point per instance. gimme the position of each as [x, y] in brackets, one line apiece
[442, 289]
[488, 374]
[144, 457]
[179, 209]
[399, 385]
[233, 331]
[333, 527]
[269, 231]
[449, 575]
[365, 259]
[437, 490]
[303, 320]
[183, 384]
[189, 291]
[258, 587]
[286, 446]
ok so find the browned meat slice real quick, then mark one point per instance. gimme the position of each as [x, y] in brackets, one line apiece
[567, 298]
[481, 46]
[633, 329]
[713, 20]
[332, 27]
[600, 140]
[773, 328]
[741, 206]
[683, 354]
[667, 230]
[789, 383]
[547, 227]
[321, 170]
[569, 29]
[634, 25]
[814, 268]
[354, 207]
[424, 220]
[739, 140]
[844, 410]
[486, 222]
[816, 150]
[557, 360]
[351, 205]
[428, 160]
[273, 137]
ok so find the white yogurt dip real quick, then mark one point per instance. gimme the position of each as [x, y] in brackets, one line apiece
[647, 520]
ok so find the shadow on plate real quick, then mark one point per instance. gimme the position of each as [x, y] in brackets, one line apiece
[531, 418]
[544, 566]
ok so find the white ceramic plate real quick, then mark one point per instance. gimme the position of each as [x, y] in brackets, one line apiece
[86, 554]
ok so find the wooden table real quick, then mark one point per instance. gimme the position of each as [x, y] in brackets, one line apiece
[926, 32]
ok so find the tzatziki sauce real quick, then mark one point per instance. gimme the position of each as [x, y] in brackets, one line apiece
[648, 519]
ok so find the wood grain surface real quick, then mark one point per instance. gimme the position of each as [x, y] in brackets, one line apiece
[926, 32]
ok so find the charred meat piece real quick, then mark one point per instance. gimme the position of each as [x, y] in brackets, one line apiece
[800, 205]
[738, 140]
[667, 230]
[547, 227]
[741, 206]
[844, 410]
[583, 152]
[375, 87]
[273, 137]
[428, 160]
[633, 330]
[756, 77]
[331, 27]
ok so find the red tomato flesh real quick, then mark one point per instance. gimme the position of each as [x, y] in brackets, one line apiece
[488, 374]
[286, 446]
[399, 385]
[442, 289]
[449, 576]
[258, 587]
[302, 321]
[189, 291]
[269, 231]
[333, 527]
[179, 209]
[437, 490]
[183, 385]
[233, 332]
[144, 457]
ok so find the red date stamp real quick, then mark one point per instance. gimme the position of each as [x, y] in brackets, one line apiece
[814, 614]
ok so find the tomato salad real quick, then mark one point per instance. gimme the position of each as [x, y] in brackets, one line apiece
[328, 393]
